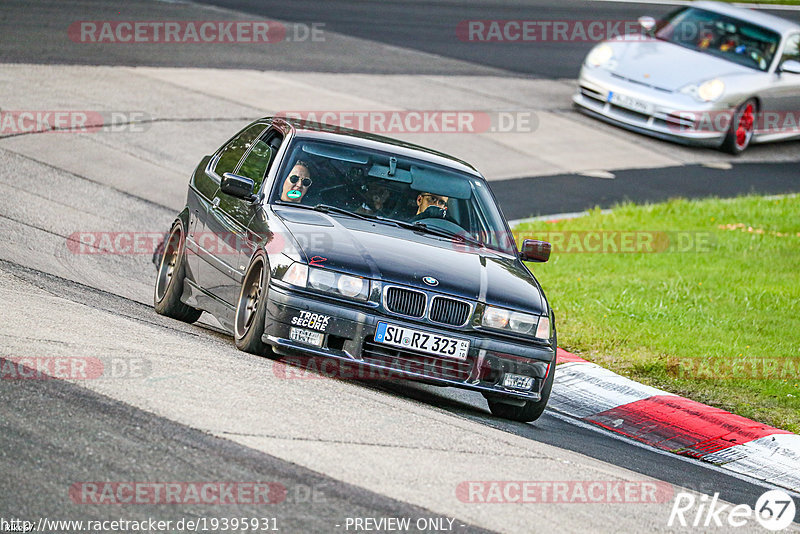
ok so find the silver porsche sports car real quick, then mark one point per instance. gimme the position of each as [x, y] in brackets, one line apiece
[709, 74]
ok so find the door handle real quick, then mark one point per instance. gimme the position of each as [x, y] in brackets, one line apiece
[215, 202]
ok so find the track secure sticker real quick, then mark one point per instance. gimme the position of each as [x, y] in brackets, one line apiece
[316, 321]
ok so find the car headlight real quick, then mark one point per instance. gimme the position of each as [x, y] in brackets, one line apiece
[297, 275]
[522, 322]
[338, 284]
[708, 91]
[495, 317]
[600, 55]
[711, 90]
[516, 322]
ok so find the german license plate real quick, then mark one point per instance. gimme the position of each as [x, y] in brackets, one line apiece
[625, 101]
[309, 337]
[407, 338]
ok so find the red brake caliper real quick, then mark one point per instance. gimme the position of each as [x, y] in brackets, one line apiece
[745, 125]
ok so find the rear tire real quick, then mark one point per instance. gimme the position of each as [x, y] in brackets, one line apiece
[251, 309]
[169, 279]
[742, 127]
[531, 410]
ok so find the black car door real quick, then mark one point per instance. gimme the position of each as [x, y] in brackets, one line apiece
[208, 266]
[229, 217]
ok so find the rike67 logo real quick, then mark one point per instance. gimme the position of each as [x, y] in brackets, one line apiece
[774, 510]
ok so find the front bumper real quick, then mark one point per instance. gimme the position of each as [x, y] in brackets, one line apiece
[671, 116]
[349, 332]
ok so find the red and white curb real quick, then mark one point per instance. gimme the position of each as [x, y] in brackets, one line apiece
[672, 423]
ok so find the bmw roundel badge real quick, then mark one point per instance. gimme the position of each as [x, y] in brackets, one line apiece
[431, 281]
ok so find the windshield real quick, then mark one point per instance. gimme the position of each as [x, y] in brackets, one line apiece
[722, 36]
[335, 177]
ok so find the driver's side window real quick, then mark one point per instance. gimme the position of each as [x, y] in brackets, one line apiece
[258, 161]
[233, 151]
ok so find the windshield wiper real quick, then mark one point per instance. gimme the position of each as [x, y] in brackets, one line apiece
[416, 226]
[327, 208]
[441, 232]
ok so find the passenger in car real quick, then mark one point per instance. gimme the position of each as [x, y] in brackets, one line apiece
[375, 198]
[296, 185]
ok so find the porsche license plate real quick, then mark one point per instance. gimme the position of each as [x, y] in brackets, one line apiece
[407, 338]
[629, 102]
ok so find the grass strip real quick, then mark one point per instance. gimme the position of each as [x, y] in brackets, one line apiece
[699, 298]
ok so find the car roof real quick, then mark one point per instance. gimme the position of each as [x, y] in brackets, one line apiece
[327, 132]
[758, 17]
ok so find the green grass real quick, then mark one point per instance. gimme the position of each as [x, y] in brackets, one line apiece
[736, 298]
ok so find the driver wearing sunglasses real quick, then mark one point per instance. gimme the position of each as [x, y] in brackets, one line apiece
[430, 206]
[297, 183]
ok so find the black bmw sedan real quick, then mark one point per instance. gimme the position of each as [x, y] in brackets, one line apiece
[308, 240]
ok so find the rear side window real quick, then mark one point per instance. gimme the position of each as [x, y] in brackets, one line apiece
[792, 48]
[257, 162]
[233, 151]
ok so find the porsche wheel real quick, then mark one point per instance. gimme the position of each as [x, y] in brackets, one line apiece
[251, 309]
[742, 127]
[170, 277]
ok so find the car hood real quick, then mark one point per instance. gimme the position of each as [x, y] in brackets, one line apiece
[393, 254]
[669, 66]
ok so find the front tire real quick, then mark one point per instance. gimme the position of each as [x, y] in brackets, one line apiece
[170, 277]
[531, 410]
[742, 127]
[251, 309]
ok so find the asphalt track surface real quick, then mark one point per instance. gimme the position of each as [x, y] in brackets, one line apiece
[53, 433]
[90, 437]
[573, 192]
[431, 26]
[416, 25]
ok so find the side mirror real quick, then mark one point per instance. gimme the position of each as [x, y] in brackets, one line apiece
[792, 66]
[535, 250]
[647, 23]
[237, 186]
